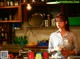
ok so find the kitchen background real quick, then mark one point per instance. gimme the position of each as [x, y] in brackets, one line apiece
[43, 33]
[35, 23]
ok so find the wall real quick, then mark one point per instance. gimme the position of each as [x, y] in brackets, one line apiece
[43, 33]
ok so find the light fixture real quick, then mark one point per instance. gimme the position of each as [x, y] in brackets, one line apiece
[29, 7]
[53, 2]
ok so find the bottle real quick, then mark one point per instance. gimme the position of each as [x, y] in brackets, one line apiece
[25, 40]
[8, 3]
[16, 3]
[48, 17]
[5, 35]
[52, 22]
[10, 17]
[2, 34]
[16, 40]
[21, 40]
[46, 23]
[11, 2]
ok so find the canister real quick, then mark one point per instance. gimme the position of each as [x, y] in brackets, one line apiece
[38, 55]
[31, 55]
[45, 55]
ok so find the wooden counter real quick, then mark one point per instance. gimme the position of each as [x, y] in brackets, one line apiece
[16, 48]
[38, 47]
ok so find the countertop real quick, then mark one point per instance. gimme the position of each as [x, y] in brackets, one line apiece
[16, 48]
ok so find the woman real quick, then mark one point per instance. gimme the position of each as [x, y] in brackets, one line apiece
[62, 43]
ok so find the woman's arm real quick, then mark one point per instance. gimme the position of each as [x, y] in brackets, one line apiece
[75, 44]
[51, 46]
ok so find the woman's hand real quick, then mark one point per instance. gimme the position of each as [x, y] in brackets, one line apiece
[65, 52]
[59, 48]
[56, 49]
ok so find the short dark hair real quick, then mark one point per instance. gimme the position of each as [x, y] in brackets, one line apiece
[64, 17]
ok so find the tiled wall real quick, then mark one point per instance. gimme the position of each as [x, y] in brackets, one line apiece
[43, 33]
[35, 34]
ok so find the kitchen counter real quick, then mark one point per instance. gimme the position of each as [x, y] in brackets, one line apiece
[15, 48]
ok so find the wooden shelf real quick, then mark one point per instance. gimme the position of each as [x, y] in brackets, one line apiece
[37, 47]
[15, 11]
[9, 7]
[5, 21]
[3, 39]
[35, 3]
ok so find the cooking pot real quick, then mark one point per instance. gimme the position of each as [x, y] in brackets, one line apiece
[36, 19]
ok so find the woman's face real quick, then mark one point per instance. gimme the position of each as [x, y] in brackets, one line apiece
[60, 23]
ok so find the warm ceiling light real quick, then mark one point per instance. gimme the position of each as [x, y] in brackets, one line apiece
[29, 7]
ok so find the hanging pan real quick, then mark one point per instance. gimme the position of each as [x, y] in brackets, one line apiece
[36, 20]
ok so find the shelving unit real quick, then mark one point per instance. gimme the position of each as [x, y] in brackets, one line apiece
[13, 21]
[10, 14]
[9, 7]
